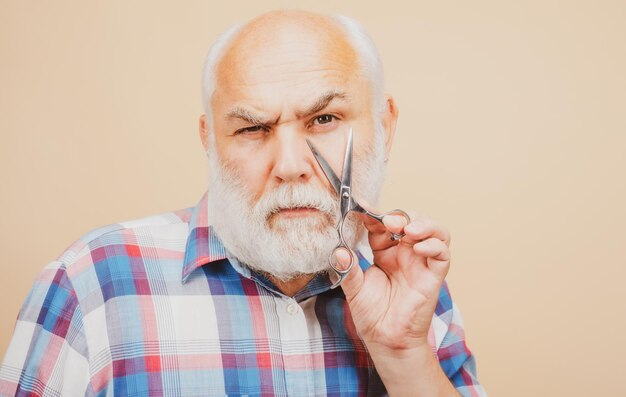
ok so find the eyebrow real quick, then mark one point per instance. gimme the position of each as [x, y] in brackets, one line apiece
[320, 103]
[324, 100]
[239, 112]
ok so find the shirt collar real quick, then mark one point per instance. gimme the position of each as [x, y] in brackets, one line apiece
[203, 245]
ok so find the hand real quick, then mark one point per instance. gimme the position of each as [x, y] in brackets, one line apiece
[393, 302]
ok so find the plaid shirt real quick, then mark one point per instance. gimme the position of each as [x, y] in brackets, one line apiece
[157, 307]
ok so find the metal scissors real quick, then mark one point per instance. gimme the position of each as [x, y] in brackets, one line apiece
[347, 203]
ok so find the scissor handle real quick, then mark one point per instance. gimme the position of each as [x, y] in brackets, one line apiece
[332, 259]
[379, 218]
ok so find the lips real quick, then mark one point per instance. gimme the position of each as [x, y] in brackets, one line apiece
[293, 212]
[315, 218]
[298, 208]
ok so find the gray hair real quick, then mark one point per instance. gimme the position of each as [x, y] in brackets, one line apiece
[355, 33]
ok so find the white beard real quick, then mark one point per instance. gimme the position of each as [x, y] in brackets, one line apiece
[284, 247]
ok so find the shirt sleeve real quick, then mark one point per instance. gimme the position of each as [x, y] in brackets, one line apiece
[47, 355]
[455, 358]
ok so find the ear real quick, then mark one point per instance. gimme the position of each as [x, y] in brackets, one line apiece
[389, 117]
[204, 132]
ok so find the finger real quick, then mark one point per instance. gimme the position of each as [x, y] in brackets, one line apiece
[353, 281]
[437, 256]
[372, 225]
[393, 223]
[439, 267]
[379, 235]
[432, 248]
[423, 228]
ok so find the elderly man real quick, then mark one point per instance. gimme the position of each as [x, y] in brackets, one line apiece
[233, 296]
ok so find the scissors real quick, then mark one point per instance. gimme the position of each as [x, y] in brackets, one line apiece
[348, 203]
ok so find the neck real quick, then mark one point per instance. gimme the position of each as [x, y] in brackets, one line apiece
[291, 287]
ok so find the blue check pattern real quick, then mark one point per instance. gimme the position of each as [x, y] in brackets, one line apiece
[157, 307]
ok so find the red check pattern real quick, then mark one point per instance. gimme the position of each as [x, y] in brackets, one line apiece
[157, 307]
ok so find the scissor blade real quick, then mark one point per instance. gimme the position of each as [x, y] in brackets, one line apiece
[346, 178]
[330, 174]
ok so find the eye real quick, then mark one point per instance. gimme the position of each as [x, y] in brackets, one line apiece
[251, 129]
[324, 119]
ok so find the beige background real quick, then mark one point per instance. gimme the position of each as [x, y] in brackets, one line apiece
[512, 132]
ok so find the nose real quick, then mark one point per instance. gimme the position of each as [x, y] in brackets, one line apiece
[292, 158]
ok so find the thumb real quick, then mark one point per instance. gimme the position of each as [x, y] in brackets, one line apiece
[353, 281]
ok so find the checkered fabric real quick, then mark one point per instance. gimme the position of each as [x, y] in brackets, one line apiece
[157, 307]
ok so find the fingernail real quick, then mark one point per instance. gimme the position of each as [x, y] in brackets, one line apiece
[343, 259]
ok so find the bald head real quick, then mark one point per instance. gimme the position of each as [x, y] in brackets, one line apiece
[275, 27]
[277, 44]
[271, 42]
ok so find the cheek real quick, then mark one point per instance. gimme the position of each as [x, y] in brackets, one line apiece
[248, 168]
[333, 146]
[332, 149]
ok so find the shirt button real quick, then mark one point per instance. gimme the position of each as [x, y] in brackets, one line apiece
[292, 308]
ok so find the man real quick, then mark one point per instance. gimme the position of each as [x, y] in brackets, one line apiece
[233, 297]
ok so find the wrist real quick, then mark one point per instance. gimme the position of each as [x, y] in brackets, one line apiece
[401, 351]
[412, 371]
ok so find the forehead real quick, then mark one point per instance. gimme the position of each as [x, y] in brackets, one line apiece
[287, 60]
